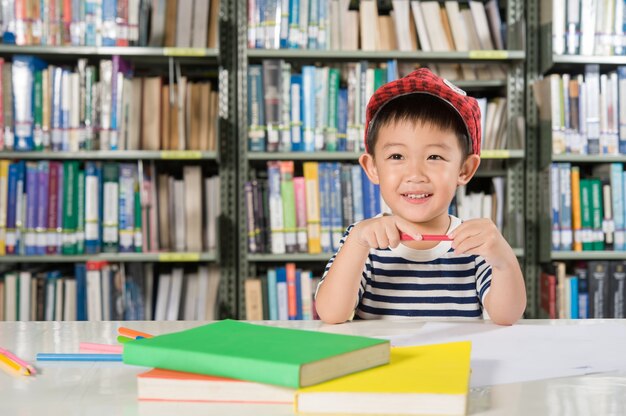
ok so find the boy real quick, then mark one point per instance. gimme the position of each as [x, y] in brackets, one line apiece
[422, 139]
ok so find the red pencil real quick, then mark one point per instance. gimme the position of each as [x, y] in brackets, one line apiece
[427, 237]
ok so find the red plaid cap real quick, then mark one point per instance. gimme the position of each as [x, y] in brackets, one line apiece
[423, 81]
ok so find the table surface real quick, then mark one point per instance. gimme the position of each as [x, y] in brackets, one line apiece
[110, 388]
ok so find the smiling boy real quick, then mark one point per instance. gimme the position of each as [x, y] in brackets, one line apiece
[422, 142]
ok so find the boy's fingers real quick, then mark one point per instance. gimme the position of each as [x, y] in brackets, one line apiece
[409, 229]
[381, 238]
[468, 245]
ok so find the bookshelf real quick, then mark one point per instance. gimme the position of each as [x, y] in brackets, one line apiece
[507, 163]
[561, 160]
[219, 65]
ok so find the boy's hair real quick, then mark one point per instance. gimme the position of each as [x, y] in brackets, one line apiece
[422, 109]
[423, 82]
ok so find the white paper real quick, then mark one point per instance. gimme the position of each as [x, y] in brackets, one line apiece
[523, 352]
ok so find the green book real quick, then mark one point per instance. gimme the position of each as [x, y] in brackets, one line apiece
[597, 212]
[585, 208]
[266, 354]
[70, 207]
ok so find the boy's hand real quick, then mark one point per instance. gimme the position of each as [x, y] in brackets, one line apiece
[481, 236]
[383, 232]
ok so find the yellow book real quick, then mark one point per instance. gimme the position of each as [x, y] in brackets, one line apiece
[427, 379]
[314, 231]
[576, 213]
[4, 177]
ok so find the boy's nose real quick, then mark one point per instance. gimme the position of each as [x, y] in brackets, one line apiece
[417, 172]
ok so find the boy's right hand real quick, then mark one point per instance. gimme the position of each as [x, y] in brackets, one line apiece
[383, 232]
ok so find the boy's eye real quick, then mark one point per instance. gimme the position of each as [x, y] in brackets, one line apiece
[435, 157]
[395, 156]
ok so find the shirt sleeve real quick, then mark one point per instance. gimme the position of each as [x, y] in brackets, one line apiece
[483, 278]
[364, 273]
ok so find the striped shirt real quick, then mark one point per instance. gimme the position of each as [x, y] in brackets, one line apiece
[405, 282]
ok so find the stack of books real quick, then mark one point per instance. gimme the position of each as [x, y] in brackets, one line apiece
[239, 362]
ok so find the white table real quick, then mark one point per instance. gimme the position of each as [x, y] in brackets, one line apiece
[109, 389]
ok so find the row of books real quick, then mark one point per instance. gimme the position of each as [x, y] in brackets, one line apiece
[587, 210]
[283, 293]
[182, 23]
[308, 213]
[323, 108]
[101, 291]
[587, 112]
[50, 107]
[406, 26]
[586, 27]
[589, 290]
[50, 207]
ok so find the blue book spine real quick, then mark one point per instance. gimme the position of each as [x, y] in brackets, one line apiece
[109, 12]
[298, 294]
[91, 27]
[20, 211]
[256, 110]
[115, 81]
[617, 188]
[392, 70]
[325, 201]
[63, 182]
[80, 273]
[357, 194]
[336, 208]
[555, 206]
[92, 207]
[322, 32]
[42, 207]
[294, 24]
[573, 282]
[284, 23]
[271, 294]
[11, 232]
[342, 120]
[261, 7]
[282, 300]
[308, 107]
[128, 175]
[314, 19]
[23, 74]
[297, 143]
[32, 189]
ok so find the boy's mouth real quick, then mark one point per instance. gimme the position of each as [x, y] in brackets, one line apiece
[417, 197]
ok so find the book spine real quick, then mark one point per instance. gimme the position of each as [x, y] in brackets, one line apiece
[555, 186]
[4, 203]
[70, 206]
[256, 110]
[42, 207]
[296, 113]
[306, 294]
[598, 289]
[110, 203]
[23, 81]
[312, 192]
[38, 141]
[126, 201]
[308, 107]
[299, 185]
[336, 209]
[289, 205]
[285, 107]
[292, 296]
[331, 144]
[92, 207]
[282, 294]
[31, 191]
[321, 107]
[249, 189]
[565, 208]
[325, 206]
[80, 213]
[596, 207]
[342, 120]
[277, 226]
[272, 294]
[53, 205]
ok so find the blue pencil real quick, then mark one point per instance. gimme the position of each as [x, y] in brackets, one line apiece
[43, 356]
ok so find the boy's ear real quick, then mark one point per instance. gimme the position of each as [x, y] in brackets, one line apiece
[468, 169]
[367, 163]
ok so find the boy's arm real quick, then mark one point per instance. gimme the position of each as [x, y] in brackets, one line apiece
[506, 299]
[337, 294]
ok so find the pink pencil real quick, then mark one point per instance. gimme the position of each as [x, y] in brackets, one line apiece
[427, 237]
[18, 360]
[100, 348]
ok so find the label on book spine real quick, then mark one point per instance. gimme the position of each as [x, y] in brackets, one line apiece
[495, 154]
[184, 51]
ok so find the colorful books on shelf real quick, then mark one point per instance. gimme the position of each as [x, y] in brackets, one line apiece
[260, 353]
[322, 108]
[400, 24]
[112, 23]
[420, 380]
[168, 385]
[103, 107]
[99, 290]
[70, 207]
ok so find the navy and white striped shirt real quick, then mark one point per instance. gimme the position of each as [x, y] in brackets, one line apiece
[405, 282]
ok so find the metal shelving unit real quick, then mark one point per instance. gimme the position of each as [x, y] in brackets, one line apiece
[514, 161]
[588, 255]
[221, 63]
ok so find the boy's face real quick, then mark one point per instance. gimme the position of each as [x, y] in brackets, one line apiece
[418, 168]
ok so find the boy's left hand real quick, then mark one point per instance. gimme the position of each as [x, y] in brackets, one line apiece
[480, 236]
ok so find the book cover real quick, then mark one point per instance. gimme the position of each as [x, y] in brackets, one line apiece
[279, 356]
[168, 385]
[427, 379]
